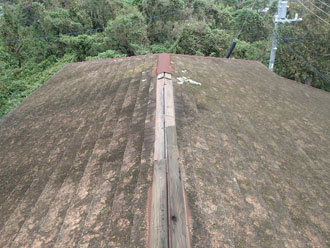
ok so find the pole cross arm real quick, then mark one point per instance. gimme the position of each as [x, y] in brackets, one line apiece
[288, 20]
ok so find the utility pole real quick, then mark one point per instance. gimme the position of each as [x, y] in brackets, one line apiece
[280, 17]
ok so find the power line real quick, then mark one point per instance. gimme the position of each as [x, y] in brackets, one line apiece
[324, 4]
[51, 36]
[312, 12]
[91, 29]
[232, 47]
[312, 68]
[239, 33]
[318, 8]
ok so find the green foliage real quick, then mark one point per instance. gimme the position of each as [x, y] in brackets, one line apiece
[100, 12]
[199, 39]
[119, 28]
[17, 84]
[246, 50]
[254, 28]
[59, 21]
[83, 45]
[109, 54]
[159, 48]
[6, 60]
[127, 32]
[312, 44]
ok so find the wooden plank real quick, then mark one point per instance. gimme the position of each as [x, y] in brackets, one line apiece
[159, 122]
[159, 226]
[169, 103]
[178, 228]
[159, 209]
[169, 221]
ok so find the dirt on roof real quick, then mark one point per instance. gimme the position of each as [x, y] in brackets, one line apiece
[76, 157]
[75, 167]
[255, 154]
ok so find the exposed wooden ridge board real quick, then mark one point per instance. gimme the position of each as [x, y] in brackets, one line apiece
[159, 225]
[178, 228]
[169, 220]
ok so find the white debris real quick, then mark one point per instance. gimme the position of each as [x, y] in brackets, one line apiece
[161, 75]
[182, 80]
[184, 71]
[168, 75]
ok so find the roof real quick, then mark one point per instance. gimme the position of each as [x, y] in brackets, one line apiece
[255, 154]
[77, 156]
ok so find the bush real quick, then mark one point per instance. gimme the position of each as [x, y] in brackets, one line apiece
[107, 55]
[17, 84]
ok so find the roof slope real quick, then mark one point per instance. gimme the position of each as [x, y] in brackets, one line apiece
[75, 158]
[255, 154]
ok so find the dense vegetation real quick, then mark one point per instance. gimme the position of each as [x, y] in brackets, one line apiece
[38, 37]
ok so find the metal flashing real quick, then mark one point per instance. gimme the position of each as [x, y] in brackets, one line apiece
[164, 63]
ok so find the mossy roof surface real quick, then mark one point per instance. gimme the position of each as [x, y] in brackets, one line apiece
[75, 158]
[255, 154]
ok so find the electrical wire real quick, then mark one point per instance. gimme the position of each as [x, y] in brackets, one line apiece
[312, 68]
[318, 8]
[239, 33]
[232, 47]
[312, 12]
[324, 4]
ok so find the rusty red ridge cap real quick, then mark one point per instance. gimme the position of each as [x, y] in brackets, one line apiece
[164, 63]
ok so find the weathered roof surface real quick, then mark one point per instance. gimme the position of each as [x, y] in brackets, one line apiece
[255, 154]
[75, 158]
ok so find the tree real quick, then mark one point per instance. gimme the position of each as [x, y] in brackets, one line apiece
[11, 33]
[254, 25]
[310, 39]
[198, 38]
[100, 11]
[127, 33]
[83, 45]
[59, 21]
